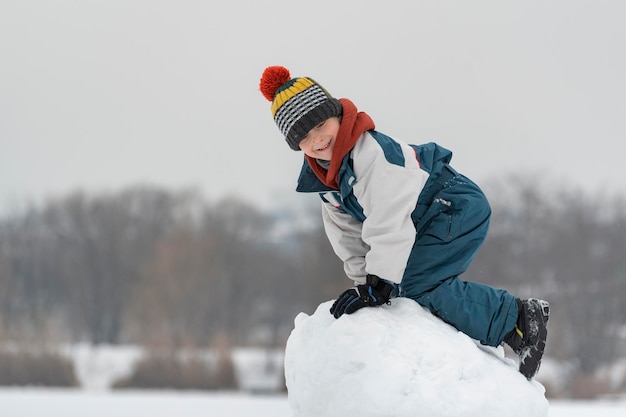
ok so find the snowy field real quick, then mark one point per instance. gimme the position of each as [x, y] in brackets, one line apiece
[98, 367]
[76, 403]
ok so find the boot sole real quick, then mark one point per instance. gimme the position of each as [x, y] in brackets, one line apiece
[530, 356]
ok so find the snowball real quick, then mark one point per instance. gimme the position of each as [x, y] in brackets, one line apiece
[400, 360]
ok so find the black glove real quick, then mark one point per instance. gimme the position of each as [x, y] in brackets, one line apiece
[374, 292]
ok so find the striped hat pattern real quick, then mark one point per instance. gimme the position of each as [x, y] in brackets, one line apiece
[298, 104]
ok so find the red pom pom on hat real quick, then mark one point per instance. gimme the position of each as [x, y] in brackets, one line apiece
[271, 80]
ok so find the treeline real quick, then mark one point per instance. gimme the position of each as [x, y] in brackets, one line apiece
[159, 268]
[169, 269]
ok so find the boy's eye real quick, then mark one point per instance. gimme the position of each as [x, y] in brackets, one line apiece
[316, 127]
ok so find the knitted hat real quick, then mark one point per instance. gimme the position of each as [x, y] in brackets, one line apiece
[298, 104]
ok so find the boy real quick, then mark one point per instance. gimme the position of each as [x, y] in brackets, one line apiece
[403, 221]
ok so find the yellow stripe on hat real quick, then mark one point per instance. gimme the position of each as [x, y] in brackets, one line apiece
[296, 88]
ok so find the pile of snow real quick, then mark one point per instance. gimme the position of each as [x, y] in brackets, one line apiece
[400, 360]
[259, 371]
[98, 367]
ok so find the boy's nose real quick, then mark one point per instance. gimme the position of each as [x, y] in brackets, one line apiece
[318, 138]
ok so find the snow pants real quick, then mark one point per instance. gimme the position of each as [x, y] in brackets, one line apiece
[451, 220]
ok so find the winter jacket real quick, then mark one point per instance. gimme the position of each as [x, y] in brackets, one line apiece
[370, 221]
[403, 214]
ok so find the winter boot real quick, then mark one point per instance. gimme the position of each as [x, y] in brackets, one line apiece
[528, 338]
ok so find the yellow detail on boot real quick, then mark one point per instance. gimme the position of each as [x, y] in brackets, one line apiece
[519, 332]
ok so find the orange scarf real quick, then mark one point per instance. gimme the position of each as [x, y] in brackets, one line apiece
[353, 124]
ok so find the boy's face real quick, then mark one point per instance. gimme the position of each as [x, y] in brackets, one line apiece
[320, 140]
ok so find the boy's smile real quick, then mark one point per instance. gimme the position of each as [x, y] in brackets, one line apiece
[320, 140]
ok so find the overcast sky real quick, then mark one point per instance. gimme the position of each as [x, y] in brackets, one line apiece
[100, 95]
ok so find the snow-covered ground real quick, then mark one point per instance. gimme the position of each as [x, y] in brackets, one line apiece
[98, 367]
[79, 403]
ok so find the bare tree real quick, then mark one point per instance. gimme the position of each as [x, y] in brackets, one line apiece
[102, 244]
